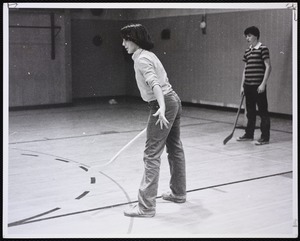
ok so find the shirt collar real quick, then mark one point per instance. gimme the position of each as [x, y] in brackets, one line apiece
[136, 53]
[256, 46]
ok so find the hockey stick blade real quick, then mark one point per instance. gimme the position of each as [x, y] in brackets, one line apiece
[236, 119]
[227, 138]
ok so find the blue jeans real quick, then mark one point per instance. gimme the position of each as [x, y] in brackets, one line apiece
[157, 139]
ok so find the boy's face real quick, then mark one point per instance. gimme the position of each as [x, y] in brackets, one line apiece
[130, 46]
[251, 39]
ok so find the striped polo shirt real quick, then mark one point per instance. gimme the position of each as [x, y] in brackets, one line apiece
[255, 66]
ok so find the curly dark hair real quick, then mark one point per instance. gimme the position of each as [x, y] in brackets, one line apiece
[138, 34]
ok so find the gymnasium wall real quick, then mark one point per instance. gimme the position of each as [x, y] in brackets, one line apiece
[98, 70]
[39, 58]
[207, 68]
[80, 68]
[203, 68]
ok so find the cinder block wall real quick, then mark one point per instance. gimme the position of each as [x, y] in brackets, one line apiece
[203, 68]
[39, 58]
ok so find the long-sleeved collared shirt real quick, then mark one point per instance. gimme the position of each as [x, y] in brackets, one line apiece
[149, 72]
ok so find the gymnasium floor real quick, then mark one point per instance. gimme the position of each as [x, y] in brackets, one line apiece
[60, 186]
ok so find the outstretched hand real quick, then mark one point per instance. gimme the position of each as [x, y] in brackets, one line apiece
[161, 118]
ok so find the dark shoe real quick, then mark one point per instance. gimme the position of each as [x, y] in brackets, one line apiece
[171, 197]
[261, 141]
[244, 138]
[136, 212]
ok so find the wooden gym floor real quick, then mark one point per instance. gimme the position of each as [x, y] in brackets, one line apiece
[60, 186]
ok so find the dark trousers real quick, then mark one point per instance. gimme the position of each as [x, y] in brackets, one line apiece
[253, 99]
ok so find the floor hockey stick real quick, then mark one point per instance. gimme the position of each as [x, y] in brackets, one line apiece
[125, 147]
[236, 119]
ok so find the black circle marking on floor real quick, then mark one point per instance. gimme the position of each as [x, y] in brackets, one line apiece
[93, 181]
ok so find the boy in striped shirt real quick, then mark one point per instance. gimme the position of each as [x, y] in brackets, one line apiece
[254, 86]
